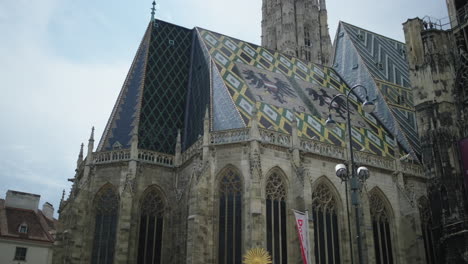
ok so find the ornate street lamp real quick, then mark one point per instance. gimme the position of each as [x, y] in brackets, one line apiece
[356, 177]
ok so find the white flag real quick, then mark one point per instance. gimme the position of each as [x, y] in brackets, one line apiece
[302, 224]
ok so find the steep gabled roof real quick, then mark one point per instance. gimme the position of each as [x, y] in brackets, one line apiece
[379, 63]
[178, 74]
[282, 88]
[152, 100]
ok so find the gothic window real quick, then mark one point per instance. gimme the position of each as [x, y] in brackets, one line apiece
[426, 229]
[306, 37]
[106, 205]
[230, 219]
[276, 218]
[307, 43]
[445, 201]
[381, 230]
[151, 227]
[324, 213]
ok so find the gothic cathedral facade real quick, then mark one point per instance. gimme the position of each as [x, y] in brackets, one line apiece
[214, 141]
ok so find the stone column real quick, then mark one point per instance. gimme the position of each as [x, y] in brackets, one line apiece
[256, 236]
[126, 189]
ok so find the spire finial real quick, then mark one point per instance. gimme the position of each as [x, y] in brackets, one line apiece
[152, 10]
[92, 134]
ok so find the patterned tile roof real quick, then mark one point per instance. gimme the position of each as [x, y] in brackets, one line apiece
[283, 88]
[380, 64]
[152, 100]
[178, 73]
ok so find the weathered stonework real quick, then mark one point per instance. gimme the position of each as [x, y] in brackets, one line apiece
[434, 67]
[298, 28]
[190, 190]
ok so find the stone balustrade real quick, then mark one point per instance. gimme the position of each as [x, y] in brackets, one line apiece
[155, 157]
[275, 138]
[321, 148]
[192, 150]
[412, 169]
[369, 159]
[111, 156]
[266, 137]
[124, 155]
[229, 136]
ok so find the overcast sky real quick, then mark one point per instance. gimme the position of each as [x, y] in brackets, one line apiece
[63, 62]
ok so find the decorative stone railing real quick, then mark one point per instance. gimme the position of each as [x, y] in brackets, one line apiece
[124, 155]
[155, 157]
[275, 138]
[266, 137]
[412, 169]
[229, 136]
[321, 148]
[374, 160]
[192, 150]
[111, 156]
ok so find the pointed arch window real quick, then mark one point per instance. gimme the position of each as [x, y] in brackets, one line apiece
[381, 230]
[426, 229]
[276, 218]
[106, 204]
[324, 212]
[151, 227]
[230, 219]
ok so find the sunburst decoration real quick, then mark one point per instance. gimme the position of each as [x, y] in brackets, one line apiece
[257, 256]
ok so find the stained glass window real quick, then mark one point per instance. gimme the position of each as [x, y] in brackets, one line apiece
[151, 228]
[327, 243]
[230, 219]
[106, 204]
[276, 218]
[426, 229]
[381, 229]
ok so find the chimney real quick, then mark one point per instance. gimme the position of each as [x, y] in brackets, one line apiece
[48, 210]
[28, 201]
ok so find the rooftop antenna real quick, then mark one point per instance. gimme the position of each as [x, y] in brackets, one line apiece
[152, 10]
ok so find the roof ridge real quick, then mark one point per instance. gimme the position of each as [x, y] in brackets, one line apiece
[372, 32]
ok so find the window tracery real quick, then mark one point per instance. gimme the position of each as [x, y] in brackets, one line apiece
[106, 203]
[326, 231]
[151, 227]
[276, 218]
[230, 218]
[426, 229]
[381, 229]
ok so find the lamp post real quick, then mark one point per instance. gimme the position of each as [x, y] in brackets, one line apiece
[342, 171]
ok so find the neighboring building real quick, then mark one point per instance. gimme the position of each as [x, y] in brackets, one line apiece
[297, 28]
[212, 142]
[26, 233]
[438, 65]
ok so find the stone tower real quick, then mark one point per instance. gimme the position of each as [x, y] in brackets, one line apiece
[434, 65]
[298, 28]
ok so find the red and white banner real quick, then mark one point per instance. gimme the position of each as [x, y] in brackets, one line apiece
[302, 224]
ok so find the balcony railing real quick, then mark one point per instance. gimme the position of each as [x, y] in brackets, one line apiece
[267, 137]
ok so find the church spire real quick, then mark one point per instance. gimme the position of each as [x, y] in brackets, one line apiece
[153, 11]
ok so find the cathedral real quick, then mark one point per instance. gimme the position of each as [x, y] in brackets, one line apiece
[215, 143]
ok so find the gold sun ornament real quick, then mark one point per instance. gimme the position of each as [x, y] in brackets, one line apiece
[257, 256]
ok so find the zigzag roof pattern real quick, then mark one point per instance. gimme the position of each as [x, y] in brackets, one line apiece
[177, 73]
[378, 62]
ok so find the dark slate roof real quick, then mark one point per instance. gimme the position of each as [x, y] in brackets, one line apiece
[379, 63]
[39, 226]
[152, 100]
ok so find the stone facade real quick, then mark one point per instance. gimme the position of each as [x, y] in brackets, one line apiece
[437, 68]
[298, 28]
[190, 180]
